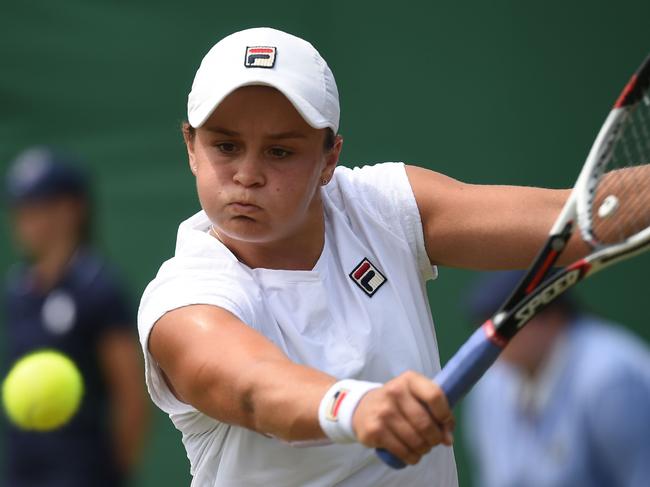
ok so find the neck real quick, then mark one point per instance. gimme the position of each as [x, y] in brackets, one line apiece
[50, 266]
[298, 252]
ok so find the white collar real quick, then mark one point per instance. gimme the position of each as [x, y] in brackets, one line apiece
[535, 392]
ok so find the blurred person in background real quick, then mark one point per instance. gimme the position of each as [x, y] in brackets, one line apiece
[64, 295]
[566, 404]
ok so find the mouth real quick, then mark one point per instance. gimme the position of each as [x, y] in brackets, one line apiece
[243, 208]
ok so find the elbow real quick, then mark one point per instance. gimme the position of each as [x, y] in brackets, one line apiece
[227, 397]
[249, 398]
[260, 399]
[256, 396]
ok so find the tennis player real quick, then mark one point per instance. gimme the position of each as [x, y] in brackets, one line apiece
[294, 312]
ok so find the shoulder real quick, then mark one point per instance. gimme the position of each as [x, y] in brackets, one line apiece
[594, 334]
[610, 354]
[89, 268]
[368, 180]
[96, 281]
[203, 271]
[198, 275]
[377, 191]
[614, 374]
[379, 199]
[199, 255]
[199, 262]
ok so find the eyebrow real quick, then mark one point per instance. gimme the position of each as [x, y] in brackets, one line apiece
[291, 134]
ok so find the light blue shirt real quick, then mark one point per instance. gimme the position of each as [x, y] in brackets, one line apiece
[592, 424]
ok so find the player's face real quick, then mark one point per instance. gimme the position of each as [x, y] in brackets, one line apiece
[259, 166]
[40, 226]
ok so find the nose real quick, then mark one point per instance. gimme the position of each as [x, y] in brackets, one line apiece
[249, 172]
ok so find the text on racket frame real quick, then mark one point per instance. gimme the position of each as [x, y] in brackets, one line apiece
[545, 296]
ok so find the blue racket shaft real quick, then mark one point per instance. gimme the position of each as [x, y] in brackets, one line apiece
[458, 376]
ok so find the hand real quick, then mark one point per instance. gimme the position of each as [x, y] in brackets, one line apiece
[408, 416]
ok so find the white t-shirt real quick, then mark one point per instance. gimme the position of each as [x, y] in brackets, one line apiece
[361, 313]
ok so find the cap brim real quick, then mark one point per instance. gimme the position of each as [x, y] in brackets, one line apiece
[198, 117]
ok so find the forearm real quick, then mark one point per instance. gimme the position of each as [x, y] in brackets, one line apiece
[120, 358]
[284, 399]
[234, 374]
[631, 213]
[273, 396]
[129, 425]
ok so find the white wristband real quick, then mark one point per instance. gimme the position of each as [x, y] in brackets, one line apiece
[338, 405]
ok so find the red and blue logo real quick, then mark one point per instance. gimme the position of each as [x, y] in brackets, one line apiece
[260, 57]
[368, 277]
[332, 412]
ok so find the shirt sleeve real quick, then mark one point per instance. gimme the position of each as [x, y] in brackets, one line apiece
[183, 282]
[385, 194]
[619, 424]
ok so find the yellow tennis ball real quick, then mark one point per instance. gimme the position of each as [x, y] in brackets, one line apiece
[42, 391]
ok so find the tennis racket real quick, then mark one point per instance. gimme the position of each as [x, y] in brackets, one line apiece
[609, 208]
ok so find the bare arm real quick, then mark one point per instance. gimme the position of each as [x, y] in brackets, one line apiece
[120, 358]
[230, 372]
[486, 227]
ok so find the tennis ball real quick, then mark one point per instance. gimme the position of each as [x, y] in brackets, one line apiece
[42, 391]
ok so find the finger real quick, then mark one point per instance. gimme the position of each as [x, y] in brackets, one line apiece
[417, 414]
[381, 425]
[379, 435]
[399, 441]
[417, 429]
[451, 424]
[432, 395]
[448, 436]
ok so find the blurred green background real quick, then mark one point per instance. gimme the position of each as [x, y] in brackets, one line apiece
[490, 92]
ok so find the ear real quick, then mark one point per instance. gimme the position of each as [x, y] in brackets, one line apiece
[332, 159]
[189, 139]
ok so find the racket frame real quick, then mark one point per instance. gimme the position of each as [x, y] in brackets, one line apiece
[537, 289]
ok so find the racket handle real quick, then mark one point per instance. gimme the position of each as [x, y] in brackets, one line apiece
[458, 376]
[389, 459]
[469, 363]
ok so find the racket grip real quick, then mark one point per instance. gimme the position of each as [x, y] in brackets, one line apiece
[469, 363]
[458, 376]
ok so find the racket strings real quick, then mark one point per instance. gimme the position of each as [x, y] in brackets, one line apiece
[644, 118]
[621, 206]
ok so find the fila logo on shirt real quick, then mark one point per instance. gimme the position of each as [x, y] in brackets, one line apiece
[367, 277]
[260, 57]
[332, 412]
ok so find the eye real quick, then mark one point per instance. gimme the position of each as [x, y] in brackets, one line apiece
[278, 153]
[227, 147]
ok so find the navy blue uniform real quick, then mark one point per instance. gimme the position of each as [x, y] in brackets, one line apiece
[72, 317]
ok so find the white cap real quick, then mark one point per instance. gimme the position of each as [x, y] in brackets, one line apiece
[269, 57]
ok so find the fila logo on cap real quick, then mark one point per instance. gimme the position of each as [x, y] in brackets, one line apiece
[367, 277]
[260, 57]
